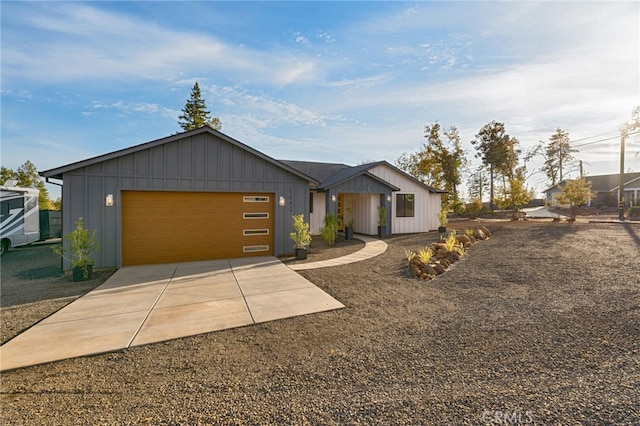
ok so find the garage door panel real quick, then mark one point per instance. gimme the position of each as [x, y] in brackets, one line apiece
[159, 227]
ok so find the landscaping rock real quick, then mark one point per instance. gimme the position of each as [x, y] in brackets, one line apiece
[479, 234]
[463, 239]
[453, 256]
[429, 269]
[486, 231]
[414, 270]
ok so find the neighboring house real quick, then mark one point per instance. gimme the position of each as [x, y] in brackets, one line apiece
[203, 195]
[606, 189]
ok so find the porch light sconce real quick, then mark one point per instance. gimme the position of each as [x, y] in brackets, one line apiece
[333, 198]
[109, 200]
[388, 198]
[281, 201]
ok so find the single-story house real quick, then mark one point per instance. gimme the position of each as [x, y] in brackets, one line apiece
[606, 189]
[203, 195]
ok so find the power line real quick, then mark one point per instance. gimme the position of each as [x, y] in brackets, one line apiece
[599, 140]
[594, 136]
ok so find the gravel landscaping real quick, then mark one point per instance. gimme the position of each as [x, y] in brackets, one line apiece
[540, 324]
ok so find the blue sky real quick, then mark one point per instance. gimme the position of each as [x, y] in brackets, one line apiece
[323, 81]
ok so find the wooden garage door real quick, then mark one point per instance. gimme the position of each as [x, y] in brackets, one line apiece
[162, 227]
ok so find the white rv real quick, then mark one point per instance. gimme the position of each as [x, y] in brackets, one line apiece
[19, 217]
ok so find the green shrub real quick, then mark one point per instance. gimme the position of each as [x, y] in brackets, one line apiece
[83, 243]
[442, 217]
[382, 216]
[410, 254]
[330, 228]
[451, 244]
[302, 235]
[424, 254]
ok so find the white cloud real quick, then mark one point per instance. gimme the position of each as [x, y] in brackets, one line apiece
[360, 83]
[261, 110]
[89, 43]
[135, 108]
[299, 38]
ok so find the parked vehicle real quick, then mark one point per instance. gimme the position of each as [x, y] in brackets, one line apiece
[19, 216]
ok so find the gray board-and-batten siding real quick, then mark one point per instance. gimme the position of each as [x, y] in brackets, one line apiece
[201, 160]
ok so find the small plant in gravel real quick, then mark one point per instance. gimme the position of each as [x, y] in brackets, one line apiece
[330, 228]
[424, 255]
[410, 254]
[468, 232]
[451, 244]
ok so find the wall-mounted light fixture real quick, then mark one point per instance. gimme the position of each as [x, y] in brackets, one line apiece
[333, 198]
[388, 198]
[281, 201]
[108, 201]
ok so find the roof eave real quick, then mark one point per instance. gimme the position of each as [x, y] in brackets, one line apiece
[58, 172]
[429, 188]
[364, 172]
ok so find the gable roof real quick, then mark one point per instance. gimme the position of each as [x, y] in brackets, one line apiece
[635, 178]
[408, 176]
[59, 171]
[352, 172]
[321, 172]
[332, 174]
[603, 183]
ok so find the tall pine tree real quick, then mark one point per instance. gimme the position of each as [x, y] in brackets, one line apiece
[556, 154]
[499, 152]
[195, 114]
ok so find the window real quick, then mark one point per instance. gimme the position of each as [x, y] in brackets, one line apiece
[311, 202]
[255, 215]
[255, 199]
[405, 205]
[253, 249]
[248, 232]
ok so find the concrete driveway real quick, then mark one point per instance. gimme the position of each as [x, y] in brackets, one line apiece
[541, 213]
[146, 304]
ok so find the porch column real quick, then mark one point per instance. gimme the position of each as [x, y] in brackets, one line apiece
[385, 201]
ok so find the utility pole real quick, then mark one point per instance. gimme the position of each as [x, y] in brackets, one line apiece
[625, 130]
[581, 170]
[621, 201]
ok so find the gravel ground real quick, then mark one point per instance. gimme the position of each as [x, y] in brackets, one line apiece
[538, 325]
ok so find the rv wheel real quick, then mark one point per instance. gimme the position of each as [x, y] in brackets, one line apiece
[4, 246]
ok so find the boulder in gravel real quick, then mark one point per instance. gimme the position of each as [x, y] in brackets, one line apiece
[453, 256]
[429, 269]
[479, 234]
[414, 270]
[463, 239]
[439, 268]
[486, 231]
